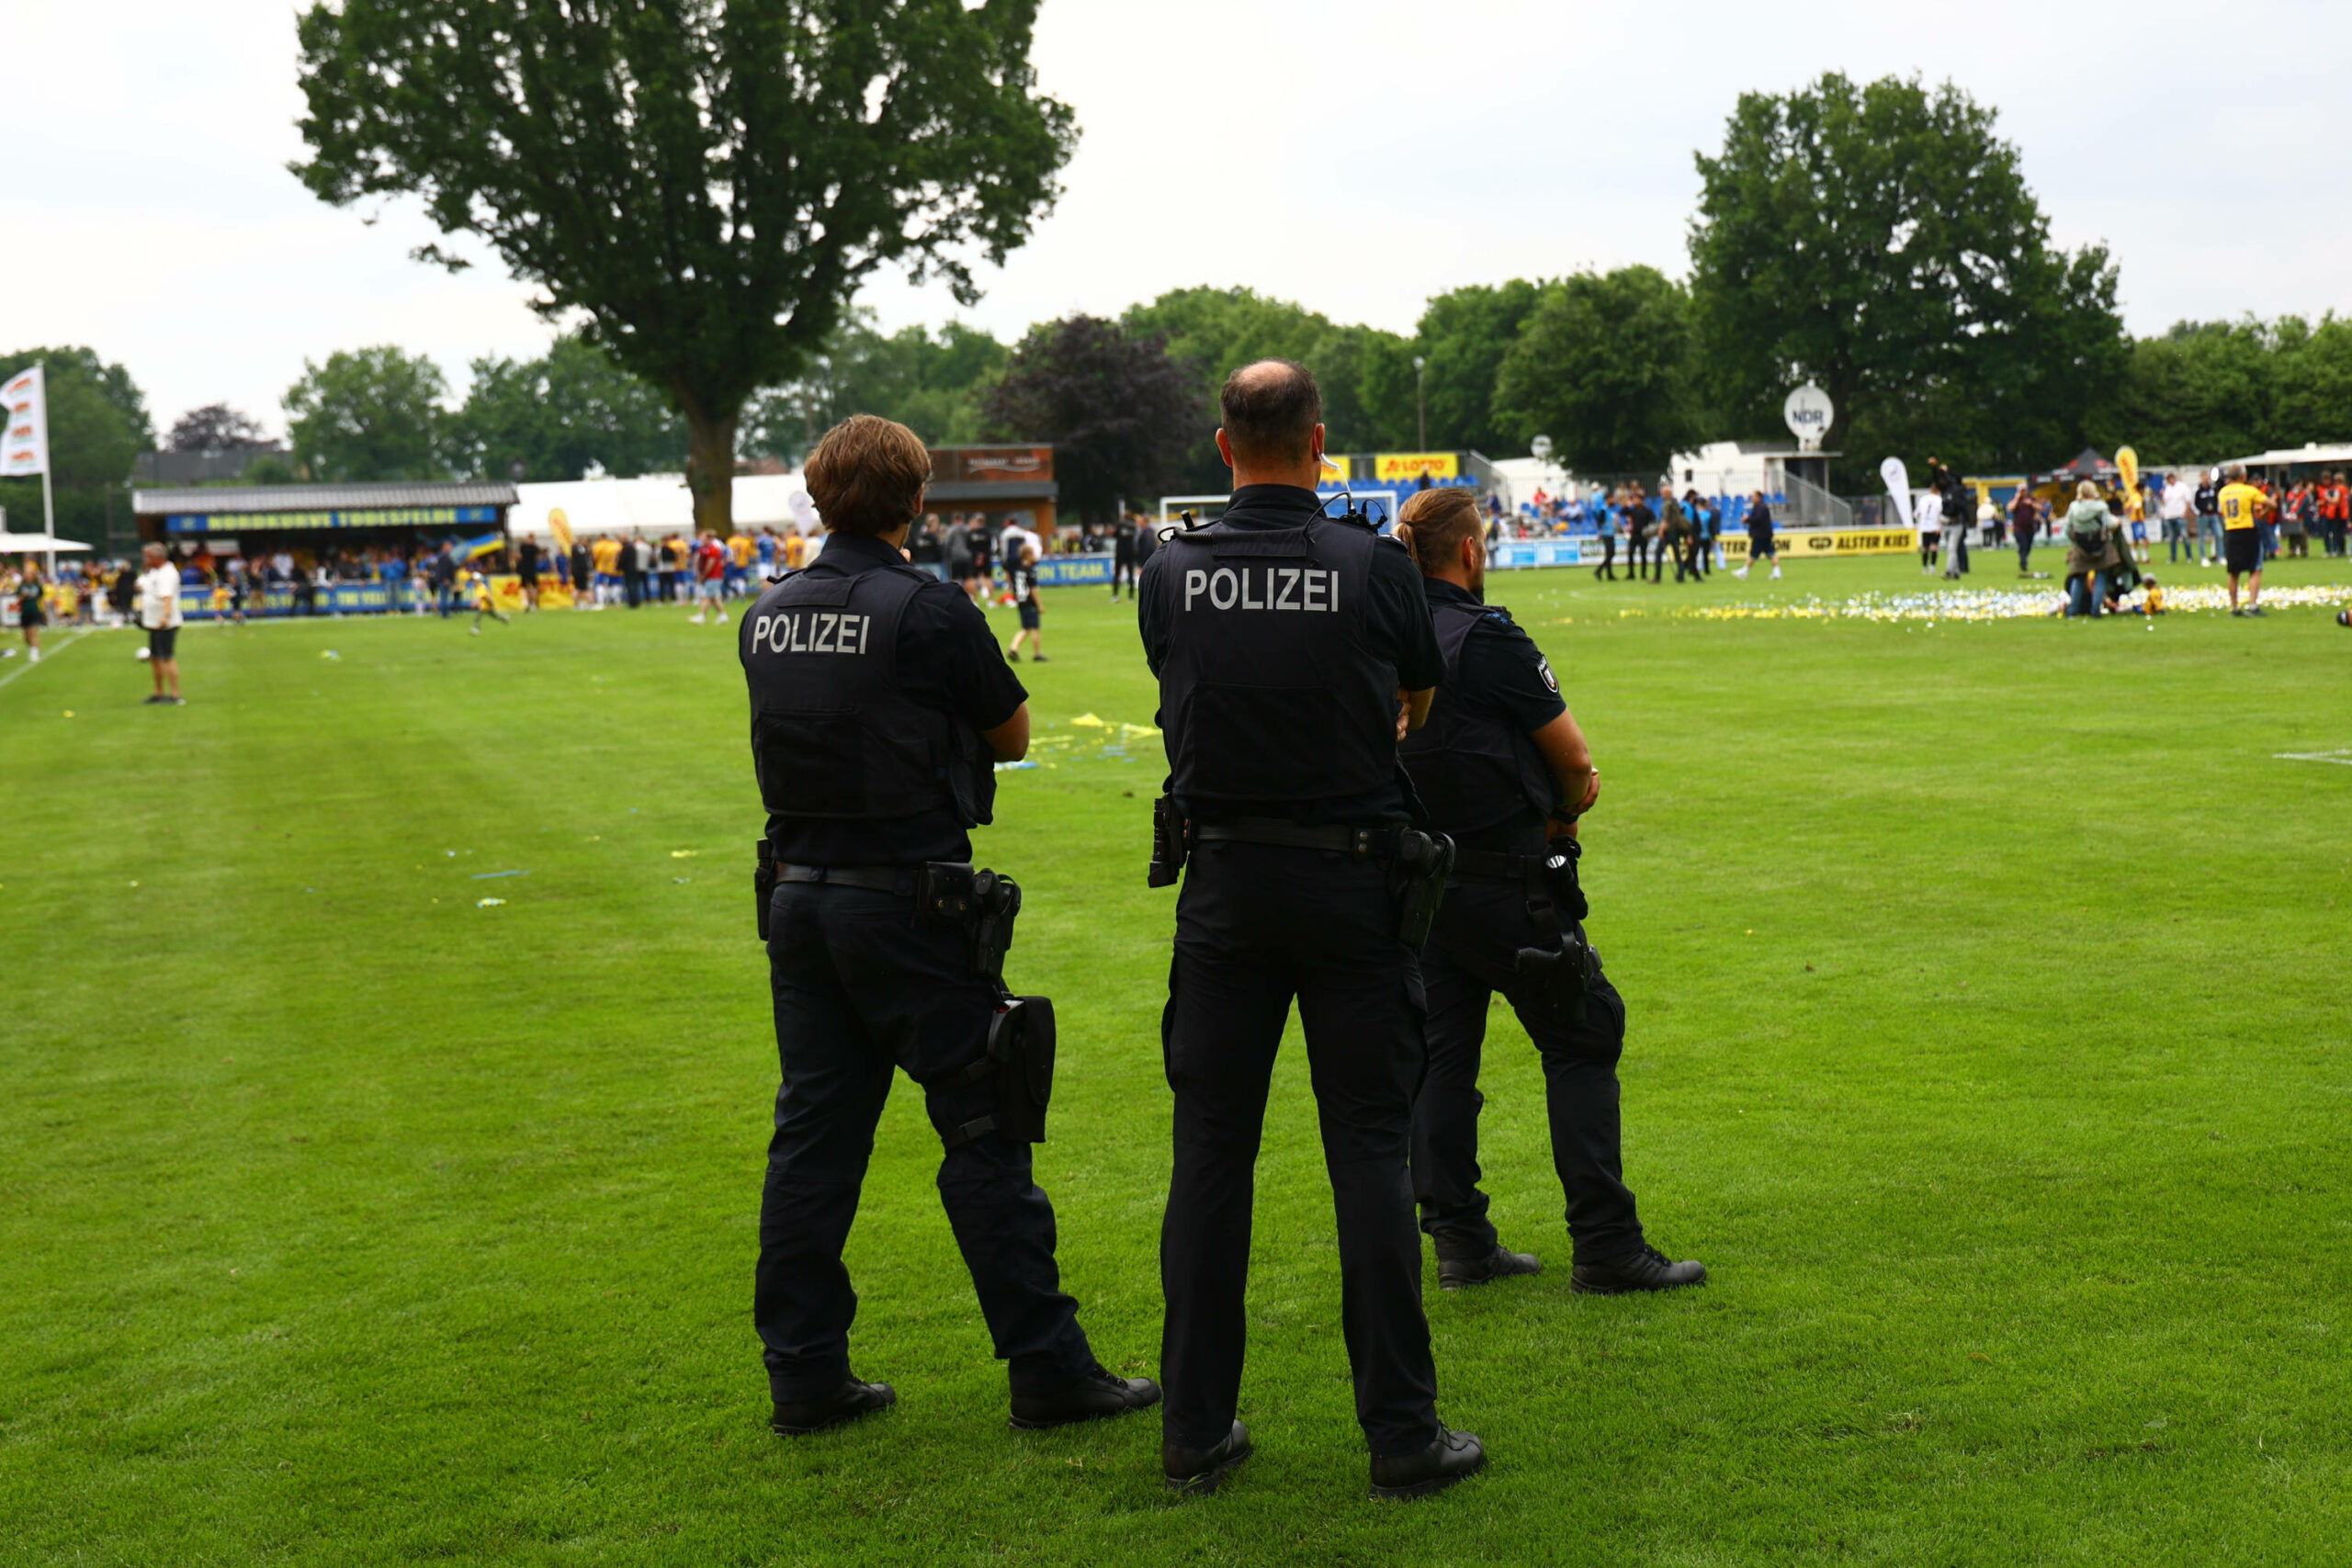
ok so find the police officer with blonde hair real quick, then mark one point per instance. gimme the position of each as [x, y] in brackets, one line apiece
[1293, 648]
[879, 707]
[1503, 769]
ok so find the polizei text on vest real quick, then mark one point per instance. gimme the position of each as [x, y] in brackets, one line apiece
[811, 631]
[1264, 588]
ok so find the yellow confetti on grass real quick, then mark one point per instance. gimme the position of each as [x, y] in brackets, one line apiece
[1091, 721]
[684, 854]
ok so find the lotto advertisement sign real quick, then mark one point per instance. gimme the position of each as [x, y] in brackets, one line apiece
[1797, 543]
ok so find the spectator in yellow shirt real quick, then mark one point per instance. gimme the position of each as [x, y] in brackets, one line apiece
[2242, 506]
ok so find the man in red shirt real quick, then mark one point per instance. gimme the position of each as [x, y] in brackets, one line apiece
[710, 580]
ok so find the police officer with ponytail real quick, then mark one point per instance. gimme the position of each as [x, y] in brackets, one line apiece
[1503, 769]
[1292, 649]
[879, 704]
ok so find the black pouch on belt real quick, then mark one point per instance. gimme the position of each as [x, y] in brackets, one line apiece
[1559, 874]
[764, 882]
[1168, 845]
[944, 893]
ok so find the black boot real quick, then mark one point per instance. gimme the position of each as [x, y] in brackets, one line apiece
[1454, 1456]
[1090, 1398]
[1195, 1472]
[1647, 1270]
[847, 1403]
[1452, 1273]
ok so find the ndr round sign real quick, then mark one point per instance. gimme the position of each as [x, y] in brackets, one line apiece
[1807, 411]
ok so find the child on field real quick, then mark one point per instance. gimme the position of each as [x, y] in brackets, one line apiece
[484, 602]
[1024, 599]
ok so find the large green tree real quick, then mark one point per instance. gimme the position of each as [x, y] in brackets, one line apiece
[1126, 418]
[1215, 330]
[1603, 364]
[1463, 337]
[1882, 241]
[2208, 391]
[557, 415]
[97, 425]
[706, 181]
[931, 382]
[371, 414]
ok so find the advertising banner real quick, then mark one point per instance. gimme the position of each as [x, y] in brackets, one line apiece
[1800, 544]
[1063, 572]
[24, 439]
[357, 517]
[1515, 554]
[1413, 465]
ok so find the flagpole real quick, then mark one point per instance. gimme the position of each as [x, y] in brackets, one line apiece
[47, 502]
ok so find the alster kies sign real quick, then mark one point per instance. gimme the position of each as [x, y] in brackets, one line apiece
[1795, 544]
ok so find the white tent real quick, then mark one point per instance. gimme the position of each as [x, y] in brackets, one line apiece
[36, 543]
[655, 504]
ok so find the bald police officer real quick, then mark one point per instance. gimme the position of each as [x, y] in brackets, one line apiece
[1504, 770]
[1292, 650]
[879, 703]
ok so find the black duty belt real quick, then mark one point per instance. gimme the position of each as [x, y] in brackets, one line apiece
[1489, 863]
[875, 878]
[1360, 843]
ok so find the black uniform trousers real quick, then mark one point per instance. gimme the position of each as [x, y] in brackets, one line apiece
[1256, 926]
[861, 988]
[1481, 927]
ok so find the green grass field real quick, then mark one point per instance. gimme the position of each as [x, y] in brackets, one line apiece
[1991, 1043]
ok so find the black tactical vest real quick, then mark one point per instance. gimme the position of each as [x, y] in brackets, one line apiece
[1473, 771]
[1269, 693]
[833, 734]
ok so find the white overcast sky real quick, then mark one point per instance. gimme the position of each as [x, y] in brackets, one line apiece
[1356, 157]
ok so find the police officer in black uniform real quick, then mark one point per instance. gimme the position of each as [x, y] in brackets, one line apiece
[1292, 650]
[1503, 769]
[879, 703]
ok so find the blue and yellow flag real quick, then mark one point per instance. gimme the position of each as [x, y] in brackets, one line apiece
[473, 550]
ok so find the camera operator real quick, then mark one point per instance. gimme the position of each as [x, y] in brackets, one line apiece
[880, 705]
[1504, 771]
[1292, 650]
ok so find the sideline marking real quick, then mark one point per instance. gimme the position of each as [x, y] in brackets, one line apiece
[2341, 758]
[77, 636]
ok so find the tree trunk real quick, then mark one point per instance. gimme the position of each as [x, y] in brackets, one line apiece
[1839, 385]
[710, 470]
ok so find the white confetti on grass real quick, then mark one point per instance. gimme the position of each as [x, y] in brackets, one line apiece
[1991, 604]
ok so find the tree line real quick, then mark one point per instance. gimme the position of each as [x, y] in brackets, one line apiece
[1877, 238]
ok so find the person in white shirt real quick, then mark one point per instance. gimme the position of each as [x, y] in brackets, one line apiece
[1010, 546]
[1927, 516]
[159, 612]
[2174, 509]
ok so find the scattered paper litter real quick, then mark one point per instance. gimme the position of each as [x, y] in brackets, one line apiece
[329, 653]
[1137, 731]
[488, 903]
[488, 875]
[1014, 767]
[684, 854]
[1091, 721]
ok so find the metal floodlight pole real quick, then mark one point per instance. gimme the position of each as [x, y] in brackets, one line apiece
[1420, 405]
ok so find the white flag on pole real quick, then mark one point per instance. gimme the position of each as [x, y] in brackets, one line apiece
[24, 438]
